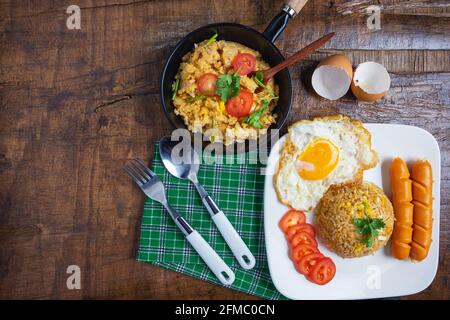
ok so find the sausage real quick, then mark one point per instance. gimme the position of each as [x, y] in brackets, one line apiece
[422, 191]
[401, 188]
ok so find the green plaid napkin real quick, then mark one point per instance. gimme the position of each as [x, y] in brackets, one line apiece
[238, 189]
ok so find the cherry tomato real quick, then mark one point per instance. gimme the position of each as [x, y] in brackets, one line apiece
[322, 272]
[244, 63]
[240, 105]
[302, 250]
[306, 227]
[303, 237]
[307, 263]
[292, 218]
[206, 84]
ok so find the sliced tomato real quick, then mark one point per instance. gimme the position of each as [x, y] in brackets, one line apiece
[302, 250]
[307, 263]
[244, 63]
[292, 218]
[302, 237]
[240, 105]
[306, 227]
[206, 84]
[322, 272]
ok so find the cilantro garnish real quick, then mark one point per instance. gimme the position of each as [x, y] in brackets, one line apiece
[254, 119]
[259, 79]
[228, 86]
[368, 227]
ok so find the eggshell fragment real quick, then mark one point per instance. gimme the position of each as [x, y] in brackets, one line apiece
[371, 81]
[332, 77]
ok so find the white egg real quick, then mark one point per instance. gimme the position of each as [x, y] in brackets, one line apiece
[319, 153]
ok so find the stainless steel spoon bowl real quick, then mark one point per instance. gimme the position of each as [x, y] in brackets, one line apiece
[183, 170]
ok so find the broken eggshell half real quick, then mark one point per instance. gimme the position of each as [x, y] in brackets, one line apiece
[370, 82]
[332, 77]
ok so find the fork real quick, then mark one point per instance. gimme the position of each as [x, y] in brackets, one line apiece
[153, 188]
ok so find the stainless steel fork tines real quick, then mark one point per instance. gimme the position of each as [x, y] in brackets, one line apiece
[153, 188]
[137, 170]
[150, 184]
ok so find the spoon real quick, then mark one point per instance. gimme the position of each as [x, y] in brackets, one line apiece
[188, 170]
[306, 51]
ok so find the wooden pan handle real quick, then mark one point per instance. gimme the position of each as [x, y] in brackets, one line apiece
[297, 5]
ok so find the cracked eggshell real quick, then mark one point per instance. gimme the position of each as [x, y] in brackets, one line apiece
[370, 82]
[332, 77]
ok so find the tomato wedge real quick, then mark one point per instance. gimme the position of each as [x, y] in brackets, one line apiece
[302, 250]
[244, 63]
[322, 272]
[206, 84]
[306, 227]
[307, 263]
[292, 218]
[303, 237]
[240, 105]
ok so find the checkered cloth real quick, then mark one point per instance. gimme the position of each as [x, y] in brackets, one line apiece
[238, 190]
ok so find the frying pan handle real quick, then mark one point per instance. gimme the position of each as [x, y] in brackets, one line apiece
[280, 21]
[296, 5]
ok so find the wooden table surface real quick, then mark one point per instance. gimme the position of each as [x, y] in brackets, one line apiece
[75, 104]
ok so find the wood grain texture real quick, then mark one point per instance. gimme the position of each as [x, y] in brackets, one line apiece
[440, 8]
[75, 104]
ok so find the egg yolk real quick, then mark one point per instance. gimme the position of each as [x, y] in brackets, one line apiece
[319, 158]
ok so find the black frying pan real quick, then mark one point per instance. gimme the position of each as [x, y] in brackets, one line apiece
[262, 42]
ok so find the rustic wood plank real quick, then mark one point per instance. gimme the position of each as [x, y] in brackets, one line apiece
[415, 7]
[75, 104]
[395, 61]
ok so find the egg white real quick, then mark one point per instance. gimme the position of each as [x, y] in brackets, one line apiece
[355, 155]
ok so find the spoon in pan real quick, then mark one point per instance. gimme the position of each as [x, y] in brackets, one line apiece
[188, 170]
[265, 75]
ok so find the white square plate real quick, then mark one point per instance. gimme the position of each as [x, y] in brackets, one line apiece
[376, 276]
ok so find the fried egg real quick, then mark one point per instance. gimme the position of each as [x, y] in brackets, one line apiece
[320, 153]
